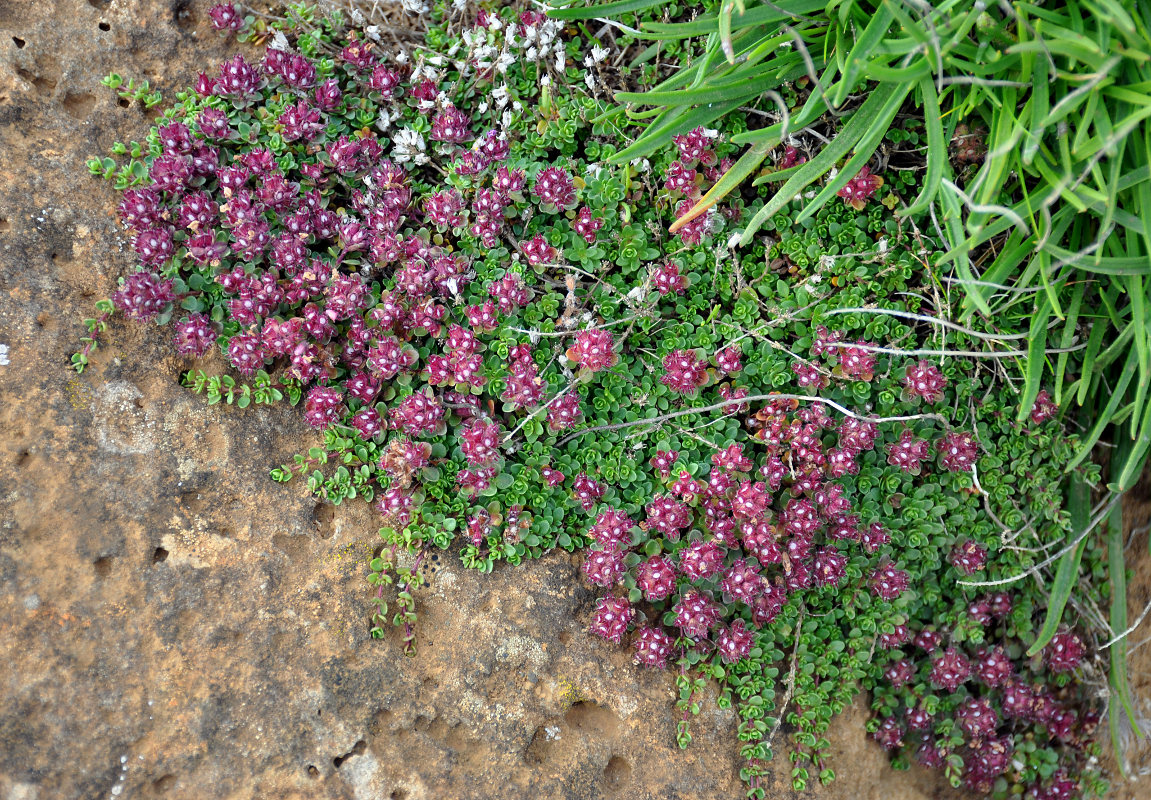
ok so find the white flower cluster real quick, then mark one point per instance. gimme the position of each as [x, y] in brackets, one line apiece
[409, 145]
[415, 6]
[540, 41]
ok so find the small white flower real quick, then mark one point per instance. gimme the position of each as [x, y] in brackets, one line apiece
[500, 95]
[546, 80]
[589, 79]
[436, 61]
[409, 145]
[505, 61]
[483, 107]
[598, 53]
[415, 6]
[401, 57]
[826, 262]
[532, 54]
[459, 5]
[561, 61]
[883, 245]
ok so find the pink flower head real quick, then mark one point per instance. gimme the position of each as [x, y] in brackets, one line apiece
[860, 189]
[667, 280]
[555, 190]
[604, 567]
[683, 372]
[418, 414]
[195, 335]
[612, 527]
[698, 229]
[742, 582]
[951, 670]
[734, 642]
[968, 557]
[696, 614]
[538, 251]
[732, 459]
[594, 350]
[729, 359]
[922, 380]
[451, 125]
[587, 491]
[586, 225]
[668, 516]
[652, 647]
[889, 734]
[887, 582]
[662, 462]
[480, 441]
[1064, 652]
[324, 406]
[680, 178]
[143, 295]
[510, 292]
[958, 451]
[1044, 408]
[695, 146]
[830, 567]
[507, 183]
[564, 412]
[552, 477]
[899, 673]
[857, 361]
[655, 577]
[226, 17]
[908, 453]
[611, 618]
[701, 560]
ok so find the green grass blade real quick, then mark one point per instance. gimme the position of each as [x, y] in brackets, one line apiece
[656, 137]
[731, 180]
[936, 149]
[1104, 418]
[1036, 358]
[847, 138]
[1117, 676]
[1069, 326]
[878, 127]
[863, 48]
[602, 9]
[1078, 504]
[766, 15]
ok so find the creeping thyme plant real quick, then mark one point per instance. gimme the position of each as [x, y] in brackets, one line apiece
[773, 486]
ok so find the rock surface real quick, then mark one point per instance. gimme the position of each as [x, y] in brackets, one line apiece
[173, 623]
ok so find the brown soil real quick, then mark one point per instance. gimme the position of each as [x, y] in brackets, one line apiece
[174, 624]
